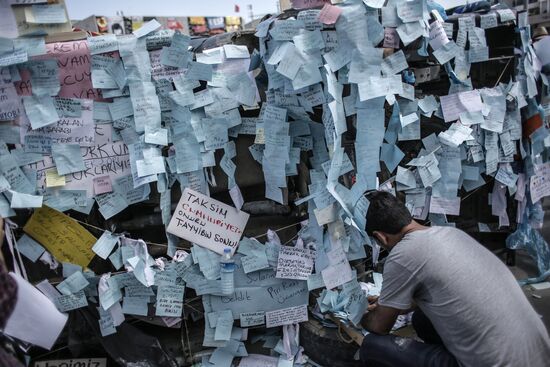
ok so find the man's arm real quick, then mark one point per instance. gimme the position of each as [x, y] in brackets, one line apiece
[380, 320]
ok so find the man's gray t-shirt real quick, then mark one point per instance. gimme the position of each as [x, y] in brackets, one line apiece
[470, 296]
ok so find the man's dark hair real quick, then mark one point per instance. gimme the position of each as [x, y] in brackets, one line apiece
[386, 213]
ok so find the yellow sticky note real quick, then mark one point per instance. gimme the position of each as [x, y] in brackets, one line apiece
[53, 179]
[64, 238]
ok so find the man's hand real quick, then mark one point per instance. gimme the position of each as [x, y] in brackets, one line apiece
[373, 302]
[380, 320]
[1, 232]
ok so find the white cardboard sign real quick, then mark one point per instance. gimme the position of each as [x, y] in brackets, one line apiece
[207, 222]
[295, 263]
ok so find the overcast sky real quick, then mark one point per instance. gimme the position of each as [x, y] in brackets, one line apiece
[80, 9]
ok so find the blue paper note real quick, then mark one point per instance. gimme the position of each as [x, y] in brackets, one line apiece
[44, 77]
[74, 283]
[14, 57]
[147, 28]
[5, 210]
[102, 44]
[48, 14]
[105, 244]
[69, 269]
[111, 204]
[121, 107]
[391, 155]
[173, 57]
[40, 111]
[116, 259]
[199, 71]
[224, 325]
[31, 249]
[111, 296]
[169, 301]
[68, 107]
[136, 305]
[20, 200]
[69, 302]
[67, 158]
[150, 166]
[216, 133]
[34, 46]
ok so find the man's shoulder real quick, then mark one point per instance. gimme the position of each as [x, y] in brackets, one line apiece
[430, 235]
[419, 244]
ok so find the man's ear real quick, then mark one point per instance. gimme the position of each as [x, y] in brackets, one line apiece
[381, 237]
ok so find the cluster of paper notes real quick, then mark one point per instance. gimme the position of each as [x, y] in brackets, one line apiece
[100, 123]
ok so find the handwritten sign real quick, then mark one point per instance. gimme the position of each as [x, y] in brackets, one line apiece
[286, 293]
[295, 263]
[207, 222]
[75, 76]
[286, 316]
[92, 362]
[68, 130]
[67, 240]
[111, 159]
[252, 318]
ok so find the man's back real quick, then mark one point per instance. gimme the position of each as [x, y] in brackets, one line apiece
[472, 299]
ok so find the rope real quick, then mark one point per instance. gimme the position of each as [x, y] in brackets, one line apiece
[348, 341]
[187, 336]
[186, 248]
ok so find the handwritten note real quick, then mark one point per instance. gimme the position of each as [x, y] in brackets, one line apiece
[336, 275]
[170, 300]
[286, 316]
[445, 205]
[46, 14]
[295, 263]
[455, 104]
[61, 235]
[540, 182]
[207, 222]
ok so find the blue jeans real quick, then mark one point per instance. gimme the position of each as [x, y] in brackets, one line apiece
[394, 351]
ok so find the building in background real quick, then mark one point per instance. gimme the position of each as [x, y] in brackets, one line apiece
[193, 26]
[539, 11]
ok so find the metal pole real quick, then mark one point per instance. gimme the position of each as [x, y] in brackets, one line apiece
[250, 12]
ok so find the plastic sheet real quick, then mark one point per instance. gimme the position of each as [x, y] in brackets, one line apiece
[129, 346]
[529, 239]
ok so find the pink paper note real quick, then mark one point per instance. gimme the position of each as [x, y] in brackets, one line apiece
[102, 185]
[75, 76]
[329, 14]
